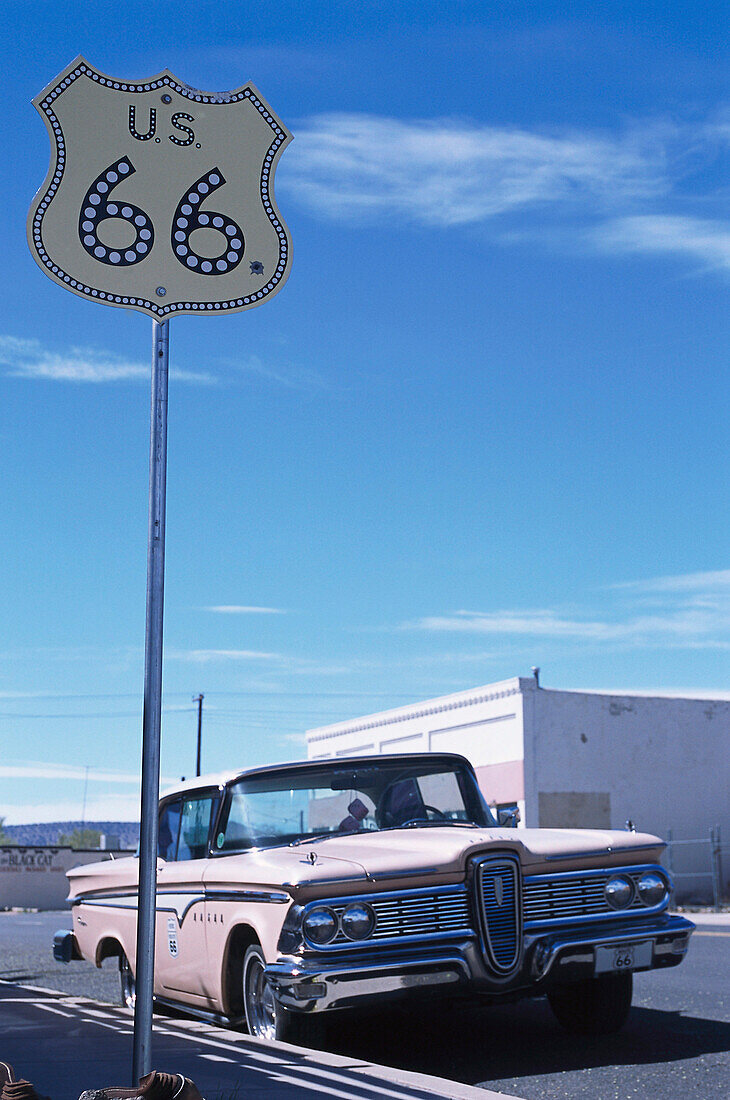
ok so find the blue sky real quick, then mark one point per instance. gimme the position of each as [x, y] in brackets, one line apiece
[482, 427]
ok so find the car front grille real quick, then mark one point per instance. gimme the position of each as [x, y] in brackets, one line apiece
[570, 896]
[421, 914]
[504, 904]
[498, 884]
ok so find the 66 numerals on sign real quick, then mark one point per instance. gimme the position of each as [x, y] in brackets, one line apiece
[99, 207]
[623, 958]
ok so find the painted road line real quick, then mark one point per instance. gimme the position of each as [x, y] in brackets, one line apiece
[56, 1011]
[340, 1092]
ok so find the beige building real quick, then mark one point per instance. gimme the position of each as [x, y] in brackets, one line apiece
[35, 877]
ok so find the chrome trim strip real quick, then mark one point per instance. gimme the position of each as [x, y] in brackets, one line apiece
[385, 875]
[325, 882]
[274, 897]
[630, 869]
[95, 895]
[395, 941]
[608, 848]
[201, 1013]
[111, 901]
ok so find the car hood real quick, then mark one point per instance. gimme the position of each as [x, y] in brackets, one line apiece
[438, 853]
[395, 858]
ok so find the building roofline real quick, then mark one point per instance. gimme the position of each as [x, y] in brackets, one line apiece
[517, 685]
[691, 694]
[499, 690]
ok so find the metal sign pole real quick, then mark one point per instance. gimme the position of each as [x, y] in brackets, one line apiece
[216, 173]
[144, 971]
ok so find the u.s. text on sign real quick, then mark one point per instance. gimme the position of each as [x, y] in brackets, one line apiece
[160, 197]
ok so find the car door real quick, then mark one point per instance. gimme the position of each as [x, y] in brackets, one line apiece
[181, 960]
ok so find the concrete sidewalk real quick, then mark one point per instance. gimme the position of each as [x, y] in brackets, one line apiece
[67, 1044]
[702, 920]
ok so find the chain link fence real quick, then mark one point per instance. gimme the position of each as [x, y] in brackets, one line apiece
[696, 867]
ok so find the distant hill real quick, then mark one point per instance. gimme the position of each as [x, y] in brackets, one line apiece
[49, 832]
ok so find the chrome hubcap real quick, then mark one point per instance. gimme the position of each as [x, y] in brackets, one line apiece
[260, 1002]
[129, 986]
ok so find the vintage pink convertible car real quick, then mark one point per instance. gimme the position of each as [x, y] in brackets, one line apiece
[290, 890]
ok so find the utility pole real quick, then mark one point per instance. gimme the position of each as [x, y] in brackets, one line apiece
[199, 700]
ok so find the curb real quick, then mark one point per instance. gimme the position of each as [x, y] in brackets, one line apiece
[335, 1073]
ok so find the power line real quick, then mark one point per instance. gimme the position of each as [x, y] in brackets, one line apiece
[96, 715]
[22, 696]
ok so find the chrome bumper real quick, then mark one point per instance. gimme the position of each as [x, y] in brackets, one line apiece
[563, 954]
[311, 984]
[314, 985]
[65, 947]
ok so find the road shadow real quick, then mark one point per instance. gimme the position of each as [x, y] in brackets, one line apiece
[477, 1044]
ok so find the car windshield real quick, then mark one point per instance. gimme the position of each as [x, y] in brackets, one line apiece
[293, 805]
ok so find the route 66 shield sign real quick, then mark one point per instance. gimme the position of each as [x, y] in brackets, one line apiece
[160, 197]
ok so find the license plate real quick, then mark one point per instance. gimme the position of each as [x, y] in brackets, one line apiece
[626, 956]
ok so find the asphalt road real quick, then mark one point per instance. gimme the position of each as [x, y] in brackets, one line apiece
[675, 1044]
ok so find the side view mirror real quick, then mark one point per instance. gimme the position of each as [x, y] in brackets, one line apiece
[509, 818]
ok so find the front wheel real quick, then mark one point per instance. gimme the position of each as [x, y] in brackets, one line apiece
[265, 1017]
[594, 1006]
[128, 983]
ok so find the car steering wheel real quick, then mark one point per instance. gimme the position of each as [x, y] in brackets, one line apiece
[440, 816]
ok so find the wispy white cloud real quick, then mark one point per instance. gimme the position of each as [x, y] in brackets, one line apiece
[697, 238]
[715, 580]
[108, 806]
[290, 375]
[448, 172]
[620, 192]
[59, 772]
[242, 609]
[291, 664]
[204, 656]
[688, 611]
[676, 625]
[27, 358]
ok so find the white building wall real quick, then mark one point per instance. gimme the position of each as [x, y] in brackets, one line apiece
[663, 762]
[483, 724]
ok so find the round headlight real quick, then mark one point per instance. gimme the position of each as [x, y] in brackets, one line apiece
[320, 926]
[618, 892]
[357, 922]
[652, 888]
